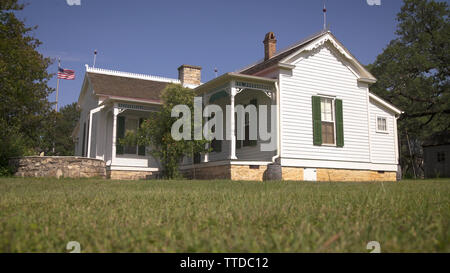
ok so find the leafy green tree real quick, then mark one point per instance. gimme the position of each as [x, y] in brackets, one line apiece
[57, 138]
[156, 132]
[23, 85]
[413, 74]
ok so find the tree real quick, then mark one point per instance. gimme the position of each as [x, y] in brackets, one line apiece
[413, 74]
[57, 138]
[23, 85]
[156, 132]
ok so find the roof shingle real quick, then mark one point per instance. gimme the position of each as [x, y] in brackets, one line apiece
[110, 85]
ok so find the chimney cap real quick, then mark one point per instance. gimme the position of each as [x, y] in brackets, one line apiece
[189, 66]
[270, 36]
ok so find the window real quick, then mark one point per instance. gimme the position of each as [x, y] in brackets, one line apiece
[128, 125]
[131, 126]
[216, 145]
[197, 158]
[247, 141]
[327, 117]
[381, 124]
[328, 121]
[440, 156]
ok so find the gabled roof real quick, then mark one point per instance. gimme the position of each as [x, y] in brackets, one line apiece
[385, 104]
[263, 64]
[285, 56]
[117, 86]
[124, 85]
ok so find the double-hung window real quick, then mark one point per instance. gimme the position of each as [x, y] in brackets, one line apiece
[382, 124]
[327, 117]
[328, 121]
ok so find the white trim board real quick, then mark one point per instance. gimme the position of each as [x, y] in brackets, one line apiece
[310, 163]
[127, 168]
[130, 75]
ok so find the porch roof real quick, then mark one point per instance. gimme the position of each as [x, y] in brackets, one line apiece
[232, 76]
[124, 87]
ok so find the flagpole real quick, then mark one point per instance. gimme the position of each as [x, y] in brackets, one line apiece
[95, 57]
[57, 85]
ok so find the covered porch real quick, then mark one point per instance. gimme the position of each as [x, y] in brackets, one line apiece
[237, 151]
[108, 123]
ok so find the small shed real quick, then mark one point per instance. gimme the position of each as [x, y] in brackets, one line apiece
[436, 155]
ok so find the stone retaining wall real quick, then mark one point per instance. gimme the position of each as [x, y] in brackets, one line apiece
[58, 166]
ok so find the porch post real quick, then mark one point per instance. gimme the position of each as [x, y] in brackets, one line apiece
[206, 155]
[232, 123]
[114, 133]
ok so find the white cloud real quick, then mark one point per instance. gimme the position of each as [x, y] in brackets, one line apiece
[73, 2]
[374, 2]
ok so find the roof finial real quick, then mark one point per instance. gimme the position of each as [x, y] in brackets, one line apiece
[324, 16]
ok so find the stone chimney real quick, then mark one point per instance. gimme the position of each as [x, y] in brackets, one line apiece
[270, 45]
[190, 74]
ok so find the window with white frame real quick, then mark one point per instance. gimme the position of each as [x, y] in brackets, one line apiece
[328, 120]
[382, 124]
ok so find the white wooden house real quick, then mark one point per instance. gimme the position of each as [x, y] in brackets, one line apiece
[328, 125]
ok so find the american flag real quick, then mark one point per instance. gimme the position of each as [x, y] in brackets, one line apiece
[66, 74]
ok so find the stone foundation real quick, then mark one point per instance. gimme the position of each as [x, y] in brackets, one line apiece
[248, 172]
[129, 175]
[208, 172]
[258, 173]
[354, 175]
[58, 166]
[292, 173]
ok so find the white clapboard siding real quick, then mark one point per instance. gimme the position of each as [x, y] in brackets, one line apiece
[382, 144]
[88, 102]
[323, 72]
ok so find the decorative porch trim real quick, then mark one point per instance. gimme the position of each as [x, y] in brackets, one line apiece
[128, 106]
[130, 75]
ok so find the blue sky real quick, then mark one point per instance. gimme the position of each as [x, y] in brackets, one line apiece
[156, 37]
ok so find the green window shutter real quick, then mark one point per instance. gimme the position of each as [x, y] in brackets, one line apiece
[339, 124]
[120, 133]
[317, 121]
[141, 148]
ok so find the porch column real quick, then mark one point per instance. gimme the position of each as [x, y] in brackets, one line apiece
[91, 120]
[206, 155]
[232, 131]
[114, 134]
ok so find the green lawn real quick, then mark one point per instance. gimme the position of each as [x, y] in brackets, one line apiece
[223, 216]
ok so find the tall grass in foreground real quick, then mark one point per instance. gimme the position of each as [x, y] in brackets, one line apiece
[223, 216]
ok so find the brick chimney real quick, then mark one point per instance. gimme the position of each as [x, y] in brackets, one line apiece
[190, 74]
[270, 45]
